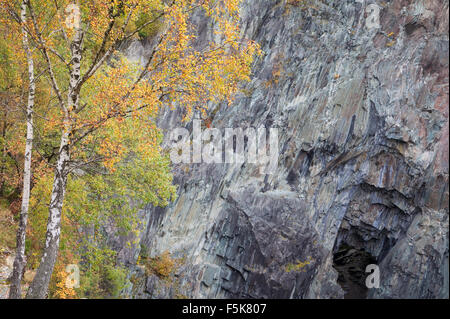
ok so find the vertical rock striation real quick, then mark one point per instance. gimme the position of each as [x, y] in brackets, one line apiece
[362, 115]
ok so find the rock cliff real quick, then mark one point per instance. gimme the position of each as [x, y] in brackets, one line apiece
[362, 119]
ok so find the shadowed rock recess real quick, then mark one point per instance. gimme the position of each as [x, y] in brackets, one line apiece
[362, 118]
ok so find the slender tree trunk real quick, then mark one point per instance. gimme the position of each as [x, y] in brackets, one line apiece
[20, 260]
[39, 287]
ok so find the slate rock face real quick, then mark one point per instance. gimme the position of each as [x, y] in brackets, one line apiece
[362, 119]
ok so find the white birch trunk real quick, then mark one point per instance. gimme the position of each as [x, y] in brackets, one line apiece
[39, 287]
[20, 259]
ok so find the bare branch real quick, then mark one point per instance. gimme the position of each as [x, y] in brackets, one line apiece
[47, 58]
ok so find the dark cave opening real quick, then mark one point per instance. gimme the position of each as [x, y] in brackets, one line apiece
[351, 264]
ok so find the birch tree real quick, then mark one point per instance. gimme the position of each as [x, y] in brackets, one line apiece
[20, 260]
[97, 90]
